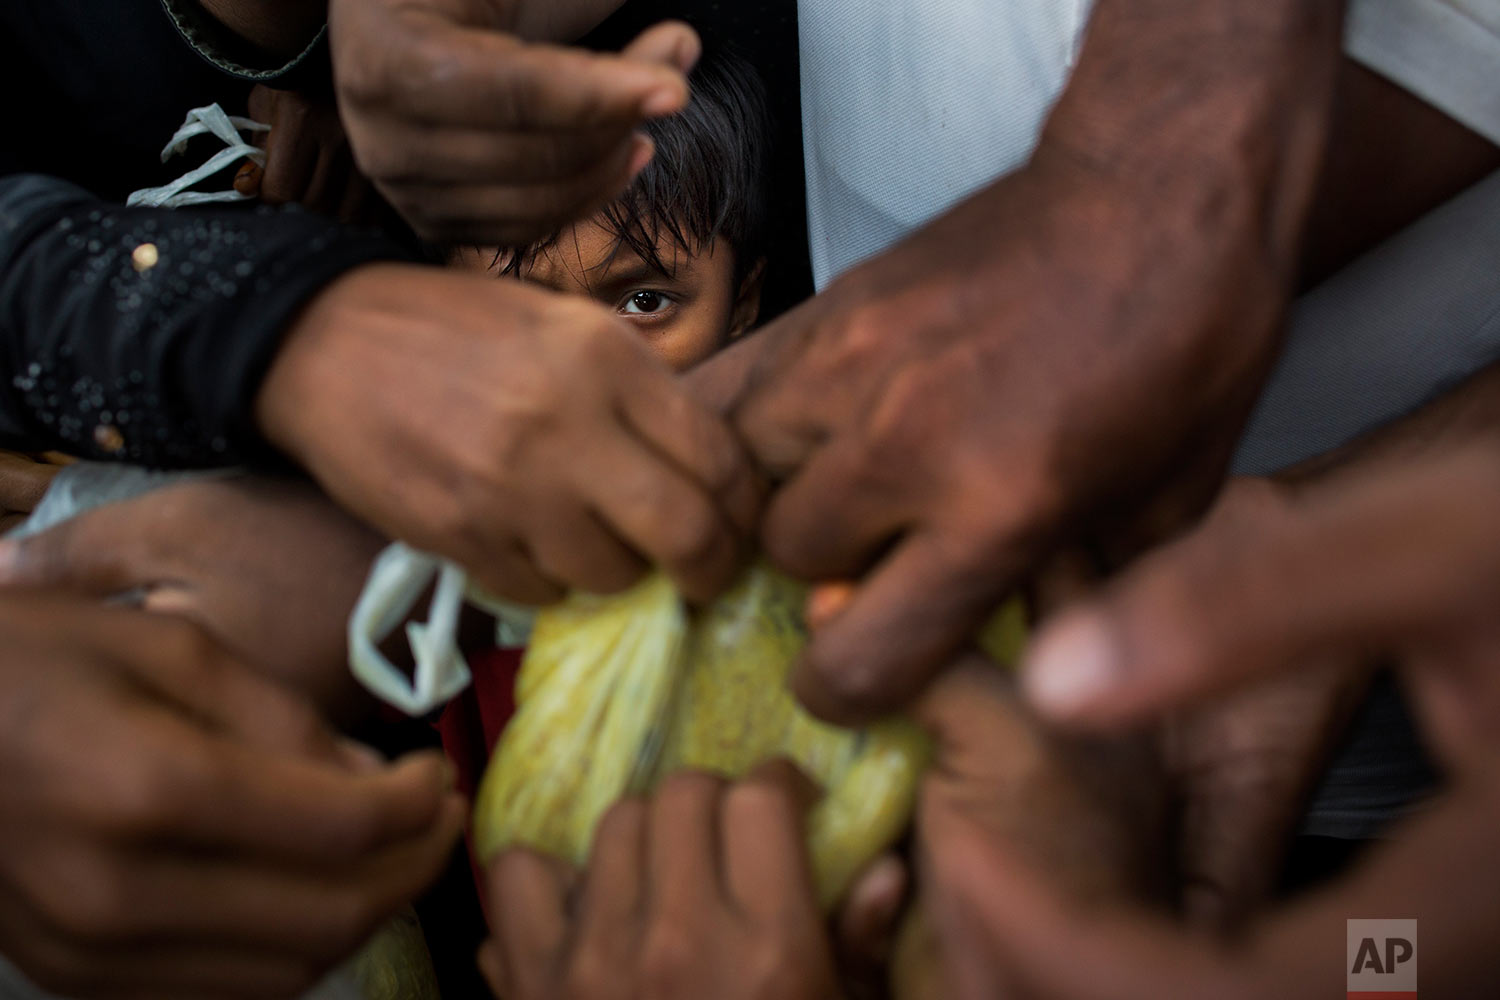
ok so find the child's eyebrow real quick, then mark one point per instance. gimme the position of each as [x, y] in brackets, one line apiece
[631, 270]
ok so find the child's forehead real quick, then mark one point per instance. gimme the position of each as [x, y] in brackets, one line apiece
[592, 251]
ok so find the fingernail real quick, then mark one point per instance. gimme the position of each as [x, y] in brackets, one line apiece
[10, 553]
[1072, 666]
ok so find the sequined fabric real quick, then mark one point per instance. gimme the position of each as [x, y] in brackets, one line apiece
[143, 334]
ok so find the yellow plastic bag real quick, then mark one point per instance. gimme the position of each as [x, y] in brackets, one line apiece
[617, 692]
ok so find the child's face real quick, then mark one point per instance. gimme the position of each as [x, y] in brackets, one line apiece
[684, 317]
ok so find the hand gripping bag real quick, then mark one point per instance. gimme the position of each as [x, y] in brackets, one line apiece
[617, 692]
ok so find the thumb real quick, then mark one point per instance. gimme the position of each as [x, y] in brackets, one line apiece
[87, 555]
[1273, 579]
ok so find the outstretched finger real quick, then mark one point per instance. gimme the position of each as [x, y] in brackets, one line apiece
[1272, 580]
[491, 79]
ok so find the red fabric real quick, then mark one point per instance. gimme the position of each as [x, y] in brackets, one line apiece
[471, 725]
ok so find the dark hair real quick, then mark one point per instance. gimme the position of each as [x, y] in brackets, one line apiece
[707, 179]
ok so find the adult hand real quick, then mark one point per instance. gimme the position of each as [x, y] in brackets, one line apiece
[1400, 559]
[1071, 351]
[529, 436]
[1090, 811]
[704, 891]
[477, 135]
[1396, 559]
[1240, 769]
[1237, 769]
[950, 410]
[1014, 934]
[308, 161]
[270, 569]
[174, 825]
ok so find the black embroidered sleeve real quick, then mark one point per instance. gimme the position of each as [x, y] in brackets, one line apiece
[143, 334]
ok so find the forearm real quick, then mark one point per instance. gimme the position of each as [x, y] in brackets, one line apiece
[1215, 111]
[143, 334]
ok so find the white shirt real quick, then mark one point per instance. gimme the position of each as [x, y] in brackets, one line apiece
[908, 106]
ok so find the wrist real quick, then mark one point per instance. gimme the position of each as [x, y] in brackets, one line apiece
[1215, 113]
[286, 404]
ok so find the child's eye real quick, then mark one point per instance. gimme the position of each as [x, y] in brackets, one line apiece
[645, 303]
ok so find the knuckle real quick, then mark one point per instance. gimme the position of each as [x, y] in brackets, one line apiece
[367, 79]
[667, 958]
[863, 334]
[451, 519]
[144, 802]
[692, 535]
[385, 161]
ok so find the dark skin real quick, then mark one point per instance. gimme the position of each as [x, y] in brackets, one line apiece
[1242, 763]
[176, 825]
[1399, 557]
[533, 437]
[1391, 158]
[1463, 422]
[23, 481]
[1093, 326]
[1033, 860]
[665, 483]
[308, 161]
[480, 132]
[467, 115]
[270, 569]
[704, 889]
[1076, 345]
